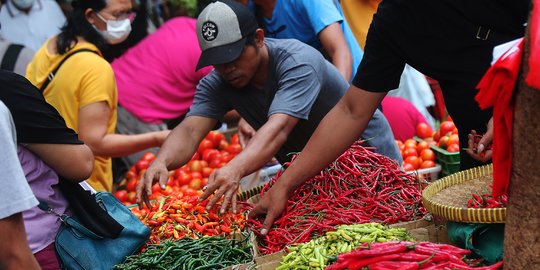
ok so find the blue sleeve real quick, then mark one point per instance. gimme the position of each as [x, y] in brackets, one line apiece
[298, 88]
[320, 13]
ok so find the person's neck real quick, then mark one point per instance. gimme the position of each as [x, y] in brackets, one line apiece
[267, 7]
[259, 80]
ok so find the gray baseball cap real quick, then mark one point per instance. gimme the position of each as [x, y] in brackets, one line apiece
[222, 28]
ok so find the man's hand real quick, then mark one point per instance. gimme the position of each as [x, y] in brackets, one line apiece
[245, 132]
[480, 149]
[156, 172]
[272, 204]
[222, 182]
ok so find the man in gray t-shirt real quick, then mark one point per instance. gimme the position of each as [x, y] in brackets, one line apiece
[282, 88]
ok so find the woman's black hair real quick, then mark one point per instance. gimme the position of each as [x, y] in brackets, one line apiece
[77, 25]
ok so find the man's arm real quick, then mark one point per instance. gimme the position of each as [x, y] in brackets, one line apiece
[176, 151]
[343, 126]
[77, 167]
[93, 125]
[335, 44]
[15, 252]
[262, 147]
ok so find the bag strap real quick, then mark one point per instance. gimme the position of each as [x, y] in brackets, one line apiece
[68, 221]
[53, 73]
[10, 56]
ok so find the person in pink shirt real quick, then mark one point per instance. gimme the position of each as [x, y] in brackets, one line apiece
[402, 116]
[156, 79]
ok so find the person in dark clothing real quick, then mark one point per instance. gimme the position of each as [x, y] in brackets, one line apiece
[448, 40]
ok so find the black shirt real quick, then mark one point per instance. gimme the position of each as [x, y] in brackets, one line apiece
[36, 121]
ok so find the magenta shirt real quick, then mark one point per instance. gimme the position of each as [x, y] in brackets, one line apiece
[156, 79]
[41, 227]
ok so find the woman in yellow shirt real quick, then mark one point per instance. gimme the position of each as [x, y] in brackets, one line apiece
[83, 89]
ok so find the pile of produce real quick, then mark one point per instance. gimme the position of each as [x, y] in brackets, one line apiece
[206, 253]
[406, 255]
[213, 152]
[487, 201]
[315, 253]
[177, 217]
[416, 155]
[359, 187]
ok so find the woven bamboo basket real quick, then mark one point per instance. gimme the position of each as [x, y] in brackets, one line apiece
[447, 197]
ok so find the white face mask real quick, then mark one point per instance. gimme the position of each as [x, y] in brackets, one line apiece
[23, 4]
[117, 31]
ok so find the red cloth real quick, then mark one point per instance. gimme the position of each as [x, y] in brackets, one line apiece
[533, 77]
[496, 90]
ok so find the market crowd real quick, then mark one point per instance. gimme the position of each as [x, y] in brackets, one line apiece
[88, 86]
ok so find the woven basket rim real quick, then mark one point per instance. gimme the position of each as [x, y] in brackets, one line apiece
[462, 214]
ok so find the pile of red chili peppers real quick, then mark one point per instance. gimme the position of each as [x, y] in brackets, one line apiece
[487, 201]
[406, 255]
[359, 187]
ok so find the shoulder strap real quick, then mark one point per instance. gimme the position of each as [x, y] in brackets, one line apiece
[51, 75]
[10, 57]
[68, 221]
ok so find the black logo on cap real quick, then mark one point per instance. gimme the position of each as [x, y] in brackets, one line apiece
[209, 31]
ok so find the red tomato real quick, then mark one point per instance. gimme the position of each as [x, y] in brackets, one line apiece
[446, 127]
[453, 148]
[226, 156]
[214, 163]
[410, 143]
[234, 149]
[196, 156]
[209, 154]
[196, 175]
[443, 142]
[206, 171]
[156, 188]
[141, 165]
[235, 139]
[452, 139]
[408, 167]
[421, 146]
[195, 166]
[436, 136]
[427, 164]
[215, 137]
[183, 178]
[414, 161]
[223, 145]
[131, 197]
[148, 156]
[195, 183]
[132, 185]
[205, 144]
[131, 175]
[423, 130]
[121, 195]
[411, 151]
[427, 154]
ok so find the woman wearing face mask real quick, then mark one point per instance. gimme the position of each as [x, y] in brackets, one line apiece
[83, 89]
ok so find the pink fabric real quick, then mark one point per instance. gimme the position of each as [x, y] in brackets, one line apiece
[496, 90]
[533, 77]
[47, 258]
[41, 227]
[402, 117]
[156, 79]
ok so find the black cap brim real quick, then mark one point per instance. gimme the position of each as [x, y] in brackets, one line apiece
[222, 54]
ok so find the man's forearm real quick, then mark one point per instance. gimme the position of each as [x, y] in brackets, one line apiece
[14, 252]
[340, 128]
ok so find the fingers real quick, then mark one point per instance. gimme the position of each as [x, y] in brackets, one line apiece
[234, 198]
[216, 197]
[209, 188]
[268, 221]
[228, 198]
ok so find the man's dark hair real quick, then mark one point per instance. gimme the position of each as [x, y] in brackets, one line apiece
[251, 39]
[77, 25]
